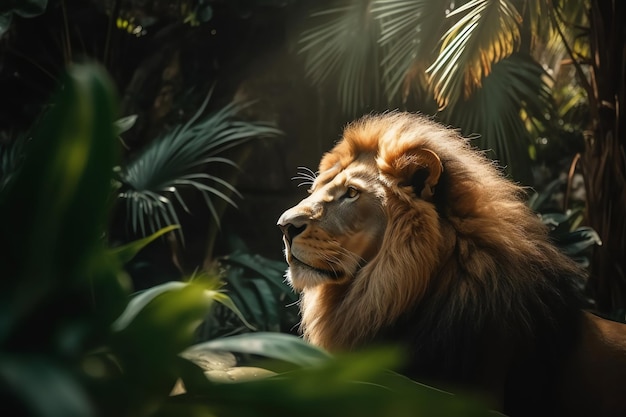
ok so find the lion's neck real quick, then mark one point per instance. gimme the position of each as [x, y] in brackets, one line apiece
[343, 317]
[328, 322]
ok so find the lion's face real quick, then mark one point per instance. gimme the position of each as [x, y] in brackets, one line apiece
[338, 228]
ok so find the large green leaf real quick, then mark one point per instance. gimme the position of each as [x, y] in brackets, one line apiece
[355, 385]
[39, 386]
[56, 206]
[157, 325]
[279, 346]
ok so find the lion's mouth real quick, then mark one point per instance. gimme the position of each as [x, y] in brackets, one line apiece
[329, 273]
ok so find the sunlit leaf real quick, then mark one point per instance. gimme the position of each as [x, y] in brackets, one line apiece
[486, 32]
[409, 32]
[492, 113]
[157, 325]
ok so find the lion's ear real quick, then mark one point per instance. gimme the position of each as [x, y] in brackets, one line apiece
[420, 168]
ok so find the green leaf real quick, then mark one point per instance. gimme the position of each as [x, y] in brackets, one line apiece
[279, 346]
[141, 300]
[125, 253]
[24, 8]
[238, 285]
[538, 200]
[153, 182]
[272, 271]
[352, 385]
[486, 32]
[58, 203]
[5, 22]
[406, 51]
[42, 387]
[340, 51]
[125, 123]
[492, 113]
[158, 324]
[226, 301]
[205, 13]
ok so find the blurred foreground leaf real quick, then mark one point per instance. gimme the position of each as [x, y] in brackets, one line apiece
[56, 206]
[353, 385]
[272, 345]
[60, 289]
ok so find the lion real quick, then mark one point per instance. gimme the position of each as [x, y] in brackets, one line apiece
[411, 236]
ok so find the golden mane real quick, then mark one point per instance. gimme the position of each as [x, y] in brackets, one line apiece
[484, 234]
[410, 236]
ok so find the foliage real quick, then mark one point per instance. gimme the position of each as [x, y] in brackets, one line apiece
[355, 385]
[565, 228]
[23, 8]
[11, 155]
[57, 278]
[339, 41]
[467, 62]
[71, 343]
[258, 289]
[153, 181]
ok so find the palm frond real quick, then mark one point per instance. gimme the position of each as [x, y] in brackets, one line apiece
[487, 31]
[340, 51]
[153, 181]
[515, 84]
[409, 33]
[535, 14]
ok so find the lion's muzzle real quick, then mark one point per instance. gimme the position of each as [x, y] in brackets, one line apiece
[292, 224]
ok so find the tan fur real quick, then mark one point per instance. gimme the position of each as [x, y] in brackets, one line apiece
[467, 239]
[488, 211]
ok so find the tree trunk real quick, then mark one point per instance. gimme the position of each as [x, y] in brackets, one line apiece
[604, 162]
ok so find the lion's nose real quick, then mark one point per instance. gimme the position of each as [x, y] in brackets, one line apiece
[292, 223]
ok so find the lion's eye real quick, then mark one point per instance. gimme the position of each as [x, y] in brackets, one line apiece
[351, 192]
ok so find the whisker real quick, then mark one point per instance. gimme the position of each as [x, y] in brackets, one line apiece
[306, 175]
[308, 171]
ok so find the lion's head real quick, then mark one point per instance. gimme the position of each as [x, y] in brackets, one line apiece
[405, 214]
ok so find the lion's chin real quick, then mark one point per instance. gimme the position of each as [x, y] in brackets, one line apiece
[302, 275]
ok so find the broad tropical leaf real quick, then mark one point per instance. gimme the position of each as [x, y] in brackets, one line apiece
[279, 346]
[356, 385]
[57, 204]
[487, 31]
